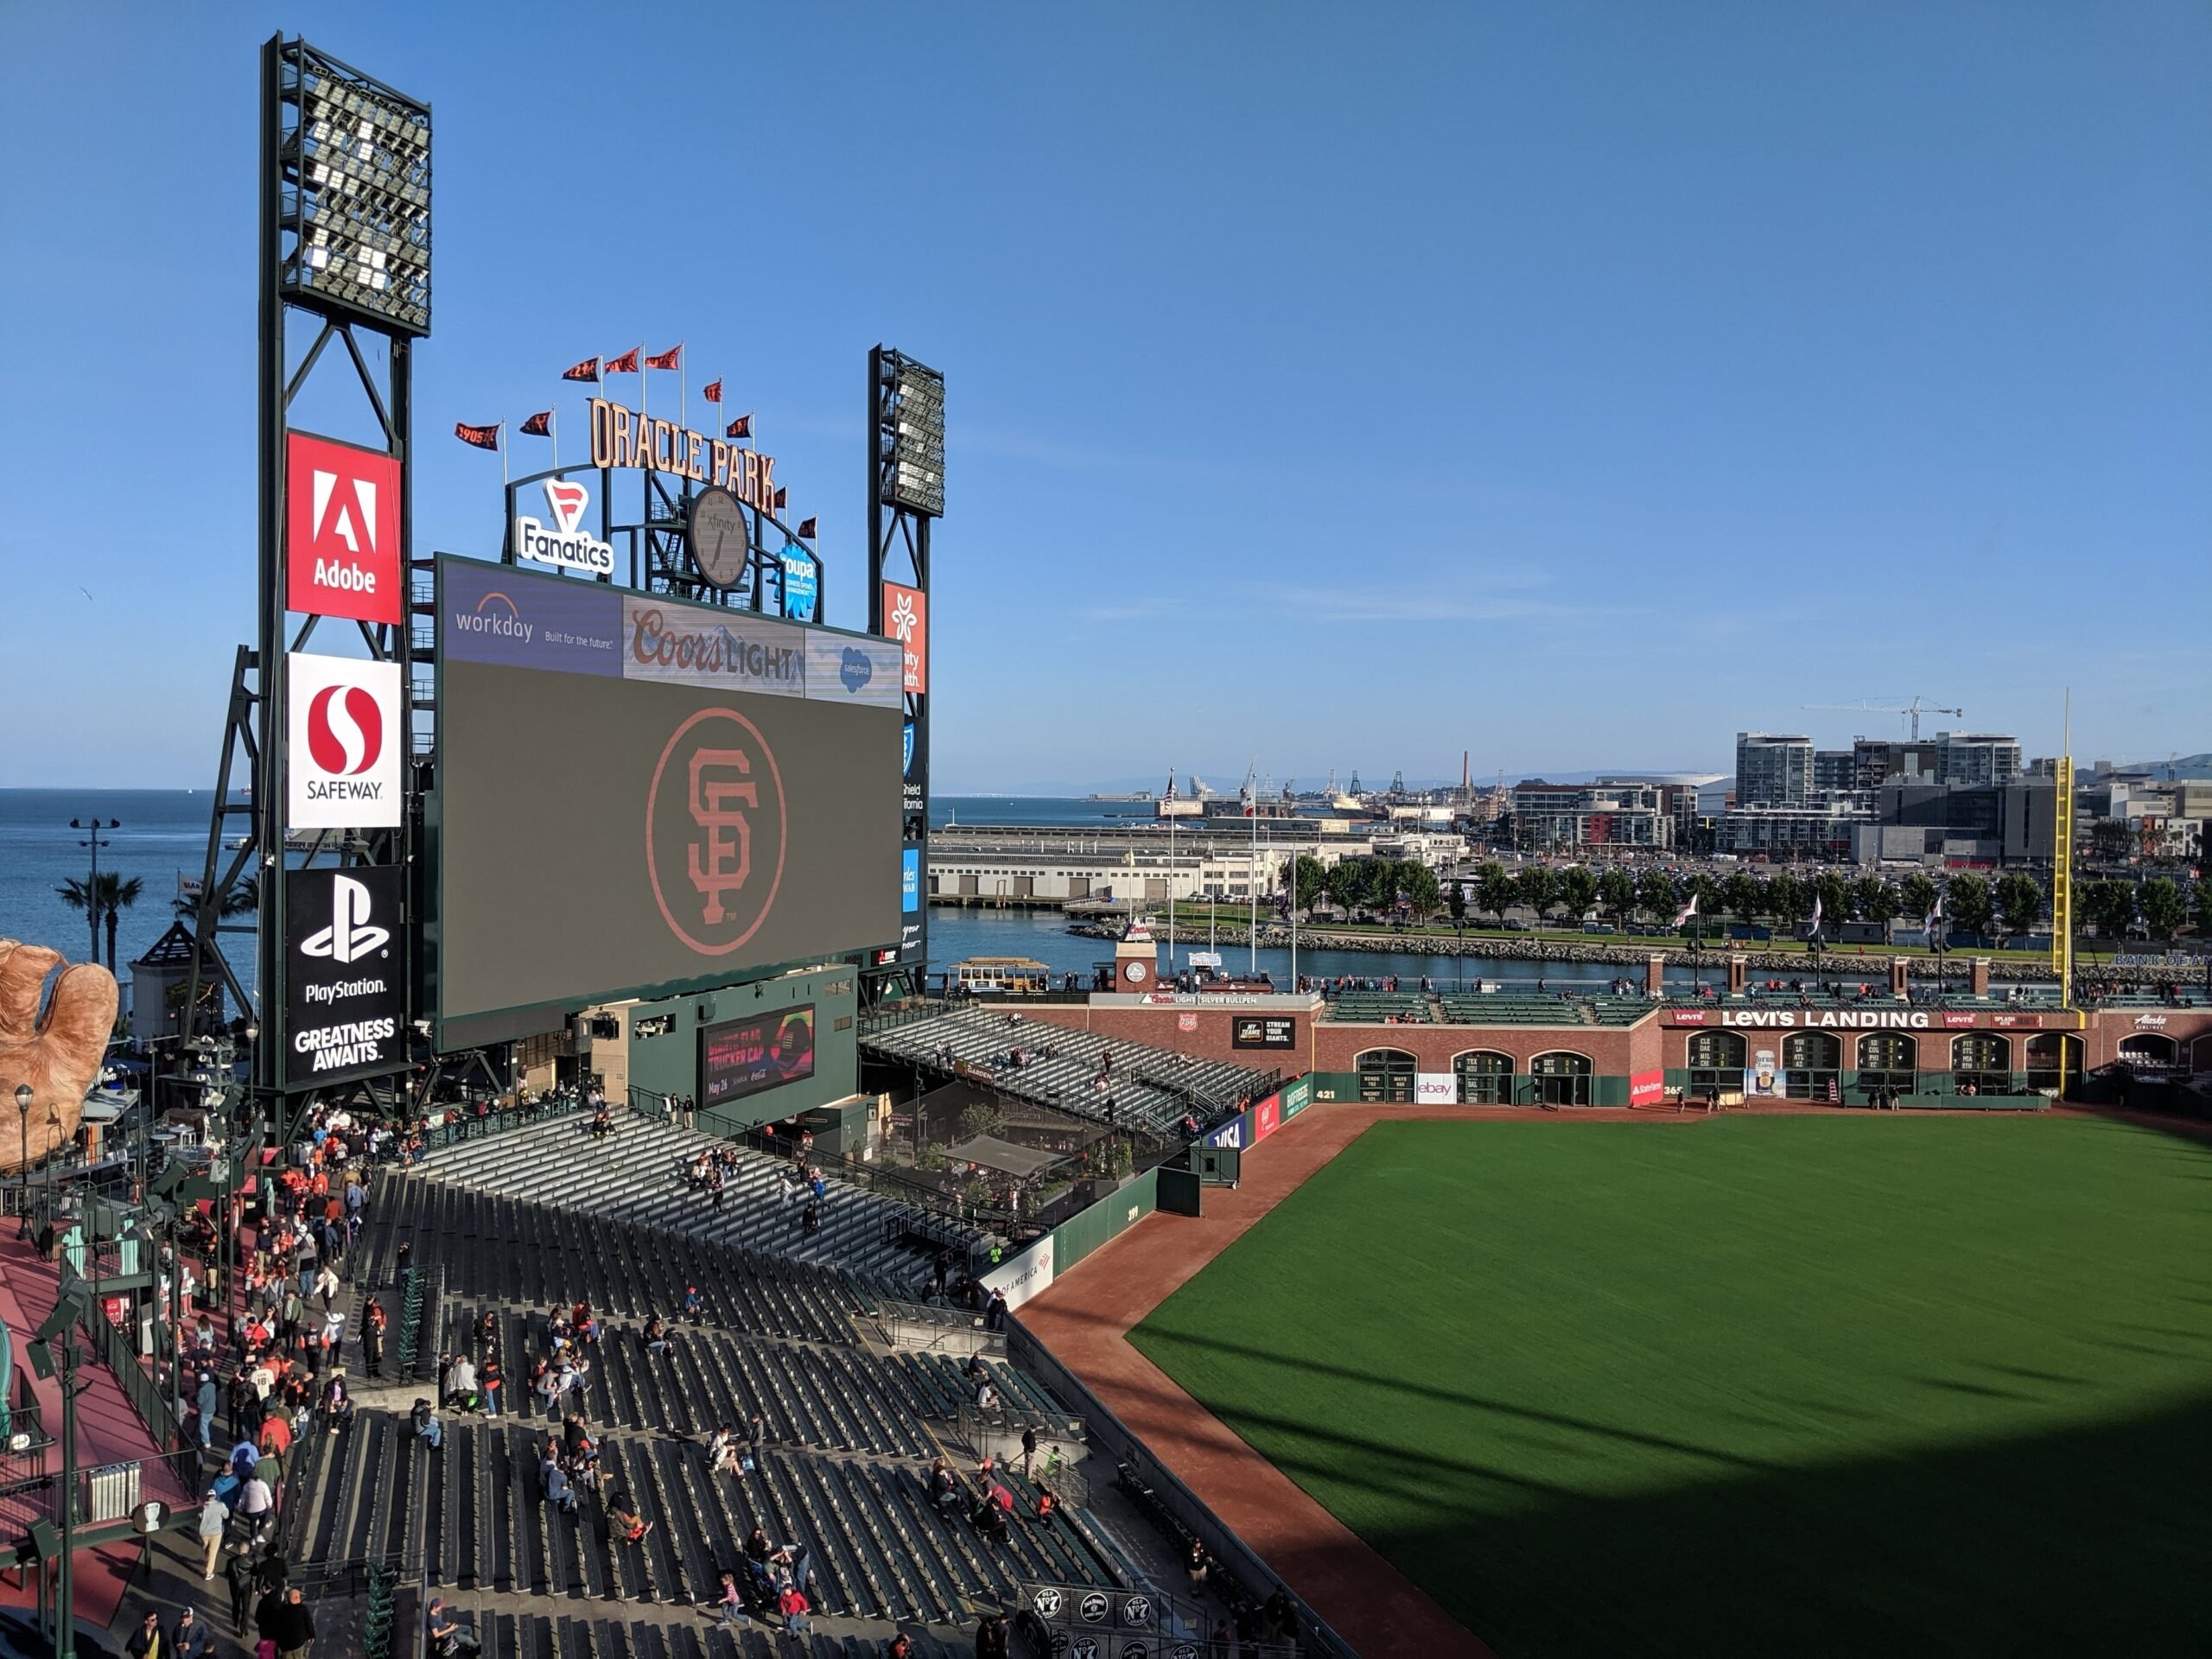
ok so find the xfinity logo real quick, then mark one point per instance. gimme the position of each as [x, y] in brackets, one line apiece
[564, 545]
[350, 935]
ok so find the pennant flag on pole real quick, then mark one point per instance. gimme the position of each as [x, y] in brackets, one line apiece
[806, 530]
[1686, 911]
[713, 392]
[625, 363]
[539, 425]
[586, 370]
[1816, 927]
[484, 437]
[782, 498]
[740, 428]
[671, 358]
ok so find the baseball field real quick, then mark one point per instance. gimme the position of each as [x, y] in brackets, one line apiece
[1757, 1385]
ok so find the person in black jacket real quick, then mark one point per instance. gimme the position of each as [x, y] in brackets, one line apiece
[238, 1572]
[288, 1624]
[991, 1639]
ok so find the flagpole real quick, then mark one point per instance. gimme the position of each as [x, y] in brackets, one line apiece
[682, 392]
[553, 431]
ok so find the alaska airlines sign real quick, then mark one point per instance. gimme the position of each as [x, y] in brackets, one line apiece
[620, 438]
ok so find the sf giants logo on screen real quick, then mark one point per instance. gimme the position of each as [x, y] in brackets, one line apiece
[341, 530]
[715, 831]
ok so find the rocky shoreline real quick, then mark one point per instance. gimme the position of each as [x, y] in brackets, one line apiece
[1853, 960]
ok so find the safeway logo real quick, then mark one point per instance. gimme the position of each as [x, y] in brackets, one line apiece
[348, 733]
[351, 934]
[567, 502]
[341, 530]
[344, 729]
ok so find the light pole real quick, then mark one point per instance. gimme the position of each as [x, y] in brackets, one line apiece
[23, 1096]
[92, 894]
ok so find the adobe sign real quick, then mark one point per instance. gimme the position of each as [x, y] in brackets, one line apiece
[341, 530]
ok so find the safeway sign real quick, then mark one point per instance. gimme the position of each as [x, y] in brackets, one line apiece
[348, 731]
[341, 530]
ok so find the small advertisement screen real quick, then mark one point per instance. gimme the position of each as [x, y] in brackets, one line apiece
[739, 1058]
[342, 975]
[1257, 1031]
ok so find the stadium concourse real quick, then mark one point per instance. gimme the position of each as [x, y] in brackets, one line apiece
[683, 1322]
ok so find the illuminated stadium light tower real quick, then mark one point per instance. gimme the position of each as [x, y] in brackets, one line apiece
[905, 495]
[323, 746]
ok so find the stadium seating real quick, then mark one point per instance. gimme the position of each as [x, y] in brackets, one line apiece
[1153, 1089]
[634, 1176]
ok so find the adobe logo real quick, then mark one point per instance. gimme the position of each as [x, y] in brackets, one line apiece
[341, 530]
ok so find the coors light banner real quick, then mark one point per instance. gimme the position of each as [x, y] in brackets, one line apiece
[343, 992]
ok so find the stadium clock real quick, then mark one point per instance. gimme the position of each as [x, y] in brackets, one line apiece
[718, 536]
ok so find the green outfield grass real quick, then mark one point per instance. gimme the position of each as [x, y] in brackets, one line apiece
[1758, 1385]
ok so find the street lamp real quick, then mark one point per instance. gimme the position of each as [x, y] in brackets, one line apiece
[92, 893]
[23, 1170]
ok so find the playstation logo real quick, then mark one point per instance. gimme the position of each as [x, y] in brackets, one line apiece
[350, 935]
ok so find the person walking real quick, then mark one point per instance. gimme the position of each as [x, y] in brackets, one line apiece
[290, 1625]
[238, 1572]
[373, 1321]
[214, 1521]
[188, 1637]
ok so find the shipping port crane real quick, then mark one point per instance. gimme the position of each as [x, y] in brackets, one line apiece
[1912, 710]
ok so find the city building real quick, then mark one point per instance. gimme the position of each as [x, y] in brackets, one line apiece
[1823, 830]
[1772, 770]
[1603, 813]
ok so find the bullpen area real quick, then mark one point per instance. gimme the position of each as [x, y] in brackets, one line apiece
[1765, 1384]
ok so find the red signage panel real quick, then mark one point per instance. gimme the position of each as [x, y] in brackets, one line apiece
[341, 530]
[906, 618]
[1646, 1088]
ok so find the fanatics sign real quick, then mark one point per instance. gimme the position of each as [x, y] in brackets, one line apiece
[349, 727]
[341, 530]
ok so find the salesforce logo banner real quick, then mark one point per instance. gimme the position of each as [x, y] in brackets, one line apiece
[852, 668]
[497, 613]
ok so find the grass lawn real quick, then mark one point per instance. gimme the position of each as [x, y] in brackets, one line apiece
[1759, 1385]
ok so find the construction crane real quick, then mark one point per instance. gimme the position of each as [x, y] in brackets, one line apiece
[1912, 710]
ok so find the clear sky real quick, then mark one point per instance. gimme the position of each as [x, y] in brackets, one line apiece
[1328, 386]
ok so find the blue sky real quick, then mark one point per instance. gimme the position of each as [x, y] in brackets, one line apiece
[1330, 387]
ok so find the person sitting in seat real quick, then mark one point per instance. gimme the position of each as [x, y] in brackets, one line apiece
[623, 1520]
[558, 1490]
[695, 1305]
[448, 1638]
[944, 1487]
[758, 1549]
[1046, 1504]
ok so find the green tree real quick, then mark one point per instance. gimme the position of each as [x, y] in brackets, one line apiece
[1455, 900]
[1494, 890]
[1578, 891]
[1538, 888]
[1654, 893]
[1788, 900]
[1740, 895]
[1341, 883]
[1835, 894]
[2109, 907]
[1915, 894]
[1417, 887]
[2019, 900]
[1876, 899]
[1966, 902]
[2164, 908]
[104, 902]
[2203, 905]
[1616, 891]
[1311, 876]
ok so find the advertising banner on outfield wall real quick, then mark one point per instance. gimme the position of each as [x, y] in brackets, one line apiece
[1647, 1088]
[1027, 1276]
[1238, 1132]
[1436, 1088]
[1297, 1095]
[1267, 1118]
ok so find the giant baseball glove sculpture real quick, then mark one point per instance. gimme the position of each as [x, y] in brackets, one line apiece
[58, 1056]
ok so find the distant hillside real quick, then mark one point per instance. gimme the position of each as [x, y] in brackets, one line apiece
[2187, 765]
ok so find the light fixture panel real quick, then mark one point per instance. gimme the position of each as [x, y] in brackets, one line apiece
[353, 189]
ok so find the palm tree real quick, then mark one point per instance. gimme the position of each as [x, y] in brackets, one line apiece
[105, 903]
